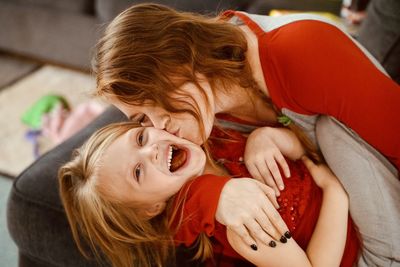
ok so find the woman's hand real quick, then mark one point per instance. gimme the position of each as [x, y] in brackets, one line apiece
[321, 174]
[249, 208]
[262, 157]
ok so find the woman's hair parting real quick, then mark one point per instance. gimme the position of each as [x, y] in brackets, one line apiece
[108, 226]
[149, 51]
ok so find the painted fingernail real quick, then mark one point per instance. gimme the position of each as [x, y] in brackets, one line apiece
[288, 235]
[272, 244]
[254, 247]
[283, 239]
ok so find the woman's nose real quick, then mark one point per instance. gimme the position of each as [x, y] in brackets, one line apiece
[161, 122]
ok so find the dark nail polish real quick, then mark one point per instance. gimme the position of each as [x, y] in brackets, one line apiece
[283, 239]
[254, 247]
[288, 235]
[272, 244]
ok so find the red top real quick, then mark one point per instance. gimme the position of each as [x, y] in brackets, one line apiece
[300, 203]
[312, 67]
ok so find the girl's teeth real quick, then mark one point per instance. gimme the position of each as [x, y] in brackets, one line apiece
[169, 158]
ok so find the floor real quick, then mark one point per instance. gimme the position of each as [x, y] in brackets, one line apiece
[19, 97]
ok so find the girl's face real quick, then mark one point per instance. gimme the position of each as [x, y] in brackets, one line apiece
[182, 125]
[147, 166]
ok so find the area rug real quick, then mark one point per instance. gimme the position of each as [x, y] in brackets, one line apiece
[16, 150]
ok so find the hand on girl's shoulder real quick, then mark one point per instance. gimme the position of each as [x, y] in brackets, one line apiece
[264, 159]
[322, 174]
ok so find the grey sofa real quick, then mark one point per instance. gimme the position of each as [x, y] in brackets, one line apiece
[64, 32]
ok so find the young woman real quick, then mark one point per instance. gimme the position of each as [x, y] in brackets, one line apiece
[151, 60]
[176, 71]
[122, 192]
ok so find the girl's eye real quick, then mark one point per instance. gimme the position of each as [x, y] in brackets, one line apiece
[137, 171]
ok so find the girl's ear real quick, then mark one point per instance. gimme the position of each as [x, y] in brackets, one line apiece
[155, 209]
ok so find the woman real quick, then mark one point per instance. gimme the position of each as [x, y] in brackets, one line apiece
[133, 207]
[176, 71]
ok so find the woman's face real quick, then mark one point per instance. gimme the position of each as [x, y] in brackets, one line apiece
[147, 165]
[182, 125]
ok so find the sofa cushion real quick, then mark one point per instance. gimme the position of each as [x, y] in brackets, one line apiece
[106, 10]
[77, 6]
[60, 37]
[36, 218]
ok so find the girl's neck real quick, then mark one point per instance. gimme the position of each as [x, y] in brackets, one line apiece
[215, 169]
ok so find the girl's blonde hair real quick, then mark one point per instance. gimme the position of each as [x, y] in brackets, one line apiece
[118, 230]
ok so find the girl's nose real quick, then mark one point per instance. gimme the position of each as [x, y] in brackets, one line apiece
[151, 152]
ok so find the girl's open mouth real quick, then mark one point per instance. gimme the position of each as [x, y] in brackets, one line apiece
[177, 158]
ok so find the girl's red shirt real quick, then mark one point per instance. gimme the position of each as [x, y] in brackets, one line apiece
[300, 203]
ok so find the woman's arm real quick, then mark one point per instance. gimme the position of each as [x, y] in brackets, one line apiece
[328, 240]
[325, 72]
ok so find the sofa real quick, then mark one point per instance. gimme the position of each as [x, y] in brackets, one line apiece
[64, 32]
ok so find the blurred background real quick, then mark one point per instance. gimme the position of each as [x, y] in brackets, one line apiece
[45, 56]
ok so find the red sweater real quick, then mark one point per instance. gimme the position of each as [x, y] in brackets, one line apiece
[312, 67]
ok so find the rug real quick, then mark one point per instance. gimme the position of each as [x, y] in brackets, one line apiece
[16, 151]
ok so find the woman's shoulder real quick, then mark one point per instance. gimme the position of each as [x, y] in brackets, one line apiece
[302, 20]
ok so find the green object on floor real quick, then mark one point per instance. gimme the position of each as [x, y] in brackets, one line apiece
[33, 116]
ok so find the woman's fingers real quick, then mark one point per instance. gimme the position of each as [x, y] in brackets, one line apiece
[284, 166]
[308, 162]
[270, 209]
[261, 173]
[267, 176]
[270, 193]
[254, 172]
[274, 169]
[269, 230]
[276, 219]
[242, 231]
[260, 233]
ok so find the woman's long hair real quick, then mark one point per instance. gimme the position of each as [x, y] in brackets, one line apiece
[110, 227]
[149, 51]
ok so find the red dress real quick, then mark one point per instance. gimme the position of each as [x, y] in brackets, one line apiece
[300, 203]
[311, 67]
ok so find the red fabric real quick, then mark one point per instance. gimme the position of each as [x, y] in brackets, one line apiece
[300, 202]
[204, 190]
[311, 67]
